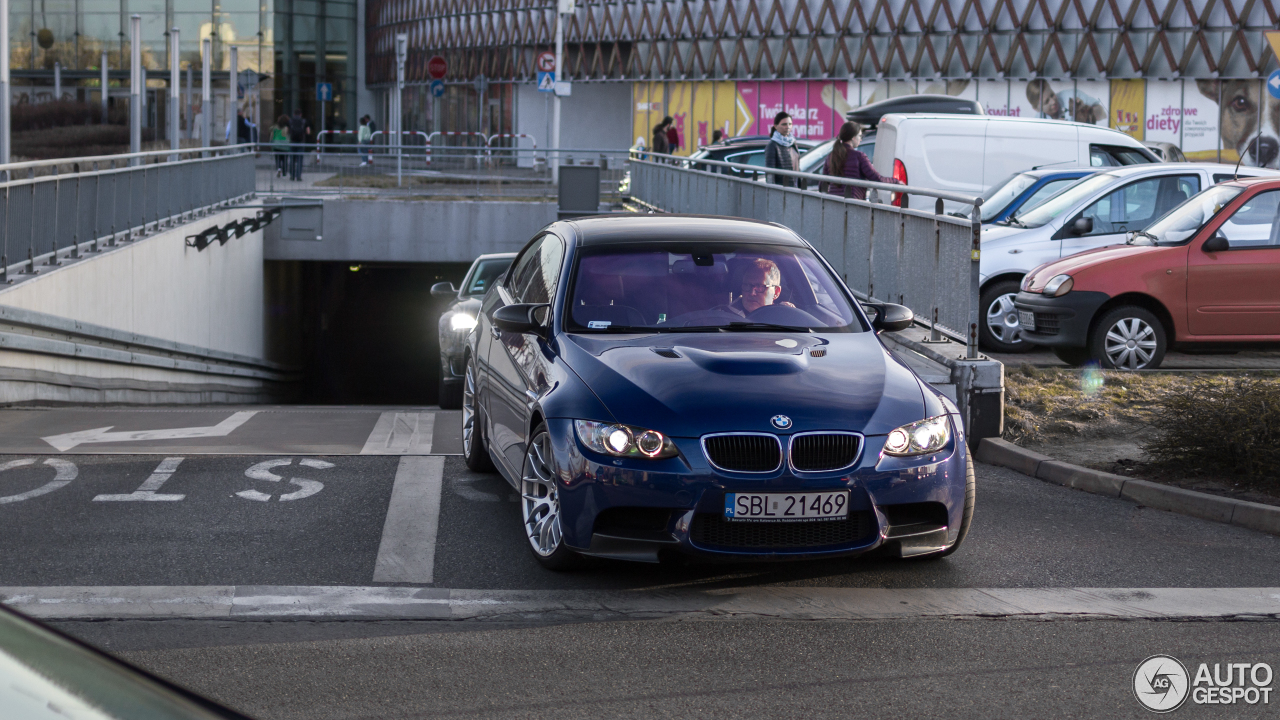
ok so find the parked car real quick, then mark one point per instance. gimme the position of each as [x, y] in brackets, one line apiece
[1098, 210]
[1206, 275]
[869, 116]
[1166, 151]
[639, 409]
[747, 149]
[968, 155]
[460, 317]
[1025, 190]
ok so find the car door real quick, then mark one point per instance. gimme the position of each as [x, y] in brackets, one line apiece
[1236, 292]
[516, 359]
[1129, 208]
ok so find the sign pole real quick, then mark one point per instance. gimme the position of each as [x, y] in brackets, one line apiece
[106, 82]
[233, 96]
[555, 96]
[5, 95]
[402, 53]
[206, 93]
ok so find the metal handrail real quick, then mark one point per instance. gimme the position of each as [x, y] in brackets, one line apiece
[689, 164]
[220, 149]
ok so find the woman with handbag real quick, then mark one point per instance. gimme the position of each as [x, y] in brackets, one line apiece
[847, 161]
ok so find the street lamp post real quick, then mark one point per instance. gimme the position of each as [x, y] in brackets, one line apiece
[563, 7]
[105, 82]
[233, 99]
[402, 54]
[5, 96]
[135, 86]
[174, 80]
[206, 93]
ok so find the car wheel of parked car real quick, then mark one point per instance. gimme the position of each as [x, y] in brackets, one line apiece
[1075, 357]
[1128, 338]
[450, 395]
[966, 518]
[999, 329]
[540, 505]
[473, 446]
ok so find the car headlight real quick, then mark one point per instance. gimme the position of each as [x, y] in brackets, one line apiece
[921, 437]
[1058, 286]
[624, 440]
[462, 321]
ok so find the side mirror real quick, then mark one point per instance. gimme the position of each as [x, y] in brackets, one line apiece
[890, 317]
[1217, 243]
[1082, 226]
[519, 318]
[443, 289]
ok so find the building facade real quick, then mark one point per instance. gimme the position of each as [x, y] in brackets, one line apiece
[1193, 72]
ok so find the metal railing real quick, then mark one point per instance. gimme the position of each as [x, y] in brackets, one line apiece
[56, 209]
[492, 170]
[927, 261]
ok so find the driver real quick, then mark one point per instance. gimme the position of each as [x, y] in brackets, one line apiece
[761, 286]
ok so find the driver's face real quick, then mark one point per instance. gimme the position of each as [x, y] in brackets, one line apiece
[757, 290]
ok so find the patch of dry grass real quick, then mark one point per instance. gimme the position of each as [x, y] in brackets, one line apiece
[1229, 426]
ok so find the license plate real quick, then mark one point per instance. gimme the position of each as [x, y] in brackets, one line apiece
[786, 507]
[1027, 319]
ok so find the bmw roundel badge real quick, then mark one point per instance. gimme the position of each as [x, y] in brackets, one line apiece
[782, 422]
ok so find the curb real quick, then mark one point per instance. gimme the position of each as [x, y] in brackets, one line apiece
[1254, 516]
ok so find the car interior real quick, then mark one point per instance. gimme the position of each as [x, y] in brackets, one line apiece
[655, 289]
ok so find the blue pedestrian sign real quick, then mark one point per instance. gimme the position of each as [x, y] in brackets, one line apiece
[546, 82]
[437, 88]
[1273, 84]
[324, 92]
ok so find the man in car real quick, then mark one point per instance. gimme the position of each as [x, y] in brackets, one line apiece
[761, 286]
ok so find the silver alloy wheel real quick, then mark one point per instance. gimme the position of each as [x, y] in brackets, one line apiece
[540, 503]
[1130, 343]
[1002, 319]
[468, 407]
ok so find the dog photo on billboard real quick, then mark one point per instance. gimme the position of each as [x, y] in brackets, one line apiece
[1248, 119]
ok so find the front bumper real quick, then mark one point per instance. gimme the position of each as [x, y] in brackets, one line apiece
[1060, 321]
[643, 510]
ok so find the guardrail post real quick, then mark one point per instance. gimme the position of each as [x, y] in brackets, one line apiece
[975, 255]
[31, 228]
[75, 231]
[934, 335]
[4, 257]
[57, 196]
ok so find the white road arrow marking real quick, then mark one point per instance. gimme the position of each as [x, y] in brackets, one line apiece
[68, 441]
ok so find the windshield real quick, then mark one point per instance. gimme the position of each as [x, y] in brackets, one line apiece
[813, 161]
[484, 274]
[1046, 211]
[995, 200]
[1182, 222]
[684, 287]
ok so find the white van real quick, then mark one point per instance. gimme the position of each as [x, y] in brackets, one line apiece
[967, 155]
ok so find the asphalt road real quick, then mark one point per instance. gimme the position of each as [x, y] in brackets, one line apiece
[216, 517]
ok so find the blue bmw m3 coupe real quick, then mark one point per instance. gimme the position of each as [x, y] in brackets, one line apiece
[705, 386]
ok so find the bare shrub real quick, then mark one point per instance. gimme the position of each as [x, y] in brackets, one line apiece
[1224, 427]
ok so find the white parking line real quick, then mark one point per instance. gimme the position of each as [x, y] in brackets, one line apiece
[407, 552]
[401, 434]
[247, 601]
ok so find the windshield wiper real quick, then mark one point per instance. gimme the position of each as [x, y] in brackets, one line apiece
[763, 326]
[1013, 220]
[643, 329]
[1142, 233]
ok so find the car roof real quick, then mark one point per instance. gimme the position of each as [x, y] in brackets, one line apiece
[750, 141]
[710, 229]
[1163, 167]
[1250, 181]
[1046, 172]
[495, 256]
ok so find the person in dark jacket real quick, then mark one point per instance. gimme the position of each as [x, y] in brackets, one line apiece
[660, 143]
[781, 151]
[673, 136]
[847, 161]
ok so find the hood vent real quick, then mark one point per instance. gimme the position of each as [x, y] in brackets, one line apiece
[817, 352]
[667, 353]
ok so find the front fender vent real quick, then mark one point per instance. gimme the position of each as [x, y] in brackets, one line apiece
[818, 352]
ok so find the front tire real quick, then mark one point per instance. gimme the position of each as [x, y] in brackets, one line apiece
[474, 450]
[998, 326]
[540, 505]
[1129, 338]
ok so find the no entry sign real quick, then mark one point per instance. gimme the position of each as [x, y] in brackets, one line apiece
[437, 67]
[546, 61]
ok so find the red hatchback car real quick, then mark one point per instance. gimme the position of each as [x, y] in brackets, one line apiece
[1206, 275]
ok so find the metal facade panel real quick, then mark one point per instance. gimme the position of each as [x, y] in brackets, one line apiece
[857, 246]
[953, 277]
[885, 254]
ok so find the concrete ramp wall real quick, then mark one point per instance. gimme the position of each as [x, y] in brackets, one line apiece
[149, 321]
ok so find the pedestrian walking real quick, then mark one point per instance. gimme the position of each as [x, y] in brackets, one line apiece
[847, 161]
[781, 151]
[298, 132]
[716, 136]
[364, 138]
[280, 144]
[661, 145]
[673, 137]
